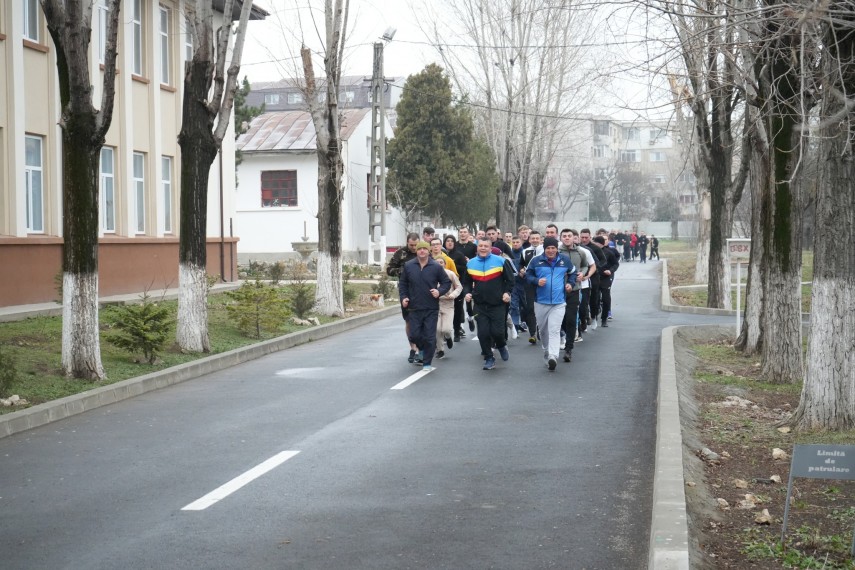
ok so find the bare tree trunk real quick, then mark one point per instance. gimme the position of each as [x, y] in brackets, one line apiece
[702, 263]
[198, 152]
[781, 208]
[207, 105]
[721, 220]
[83, 133]
[828, 393]
[329, 294]
[751, 337]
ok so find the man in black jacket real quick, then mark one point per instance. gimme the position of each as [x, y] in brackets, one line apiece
[600, 261]
[607, 273]
[423, 282]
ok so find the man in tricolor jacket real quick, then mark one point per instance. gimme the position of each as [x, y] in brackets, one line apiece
[490, 284]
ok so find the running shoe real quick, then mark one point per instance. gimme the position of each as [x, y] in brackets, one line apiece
[568, 356]
[427, 368]
[605, 324]
[412, 357]
[578, 338]
[440, 354]
[489, 363]
[448, 342]
[532, 340]
[594, 325]
[471, 322]
[503, 352]
[551, 363]
[420, 358]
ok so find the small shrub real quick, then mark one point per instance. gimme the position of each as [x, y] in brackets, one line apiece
[384, 287]
[143, 328]
[8, 372]
[276, 272]
[257, 308]
[210, 281]
[300, 295]
[349, 291]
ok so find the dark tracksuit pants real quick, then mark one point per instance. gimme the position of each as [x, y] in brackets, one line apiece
[458, 314]
[528, 314]
[584, 308]
[571, 313]
[491, 321]
[606, 295]
[594, 299]
[423, 331]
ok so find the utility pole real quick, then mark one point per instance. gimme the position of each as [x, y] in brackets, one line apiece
[377, 190]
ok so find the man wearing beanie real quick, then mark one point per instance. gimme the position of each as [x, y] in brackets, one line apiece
[489, 285]
[554, 275]
[423, 282]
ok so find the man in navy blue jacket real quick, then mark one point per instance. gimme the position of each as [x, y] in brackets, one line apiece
[423, 281]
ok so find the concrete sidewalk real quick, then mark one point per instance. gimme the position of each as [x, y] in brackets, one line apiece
[669, 539]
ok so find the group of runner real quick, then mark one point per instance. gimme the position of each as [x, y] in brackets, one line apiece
[552, 287]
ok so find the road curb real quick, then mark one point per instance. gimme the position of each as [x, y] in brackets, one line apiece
[667, 304]
[669, 530]
[62, 408]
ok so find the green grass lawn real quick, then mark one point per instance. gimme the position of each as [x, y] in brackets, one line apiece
[681, 271]
[35, 345]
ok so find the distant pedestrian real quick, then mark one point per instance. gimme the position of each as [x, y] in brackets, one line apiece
[654, 247]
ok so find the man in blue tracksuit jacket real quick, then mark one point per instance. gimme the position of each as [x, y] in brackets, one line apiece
[423, 281]
[554, 275]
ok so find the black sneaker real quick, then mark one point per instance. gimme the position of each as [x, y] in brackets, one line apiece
[551, 363]
[568, 356]
[471, 324]
[412, 358]
[448, 342]
[440, 355]
[605, 324]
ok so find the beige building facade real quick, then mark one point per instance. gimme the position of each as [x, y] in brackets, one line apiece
[140, 161]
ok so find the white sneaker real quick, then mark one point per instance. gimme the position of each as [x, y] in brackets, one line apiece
[563, 343]
[594, 325]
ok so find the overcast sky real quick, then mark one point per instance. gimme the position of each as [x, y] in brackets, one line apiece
[272, 48]
[279, 38]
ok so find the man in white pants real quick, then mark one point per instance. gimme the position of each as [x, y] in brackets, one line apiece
[554, 275]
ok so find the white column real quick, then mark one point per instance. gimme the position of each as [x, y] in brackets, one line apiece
[16, 100]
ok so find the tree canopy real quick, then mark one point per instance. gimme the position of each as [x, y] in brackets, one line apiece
[436, 164]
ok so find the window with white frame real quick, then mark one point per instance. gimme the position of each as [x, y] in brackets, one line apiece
[188, 38]
[31, 20]
[108, 190]
[166, 188]
[599, 151]
[33, 174]
[295, 98]
[103, 17]
[165, 15]
[138, 37]
[631, 133]
[657, 156]
[659, 179]
[139, 192]
[628, 156]
[349, 96]
[271, 98]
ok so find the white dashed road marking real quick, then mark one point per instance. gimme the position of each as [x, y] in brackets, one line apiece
[403, 384]
[225, 490]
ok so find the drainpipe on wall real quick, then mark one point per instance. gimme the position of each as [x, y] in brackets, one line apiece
[222, 225]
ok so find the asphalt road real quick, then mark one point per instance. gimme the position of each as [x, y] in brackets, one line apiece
[515, 468]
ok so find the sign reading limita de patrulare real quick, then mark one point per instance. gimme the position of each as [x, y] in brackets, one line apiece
[820, 462]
